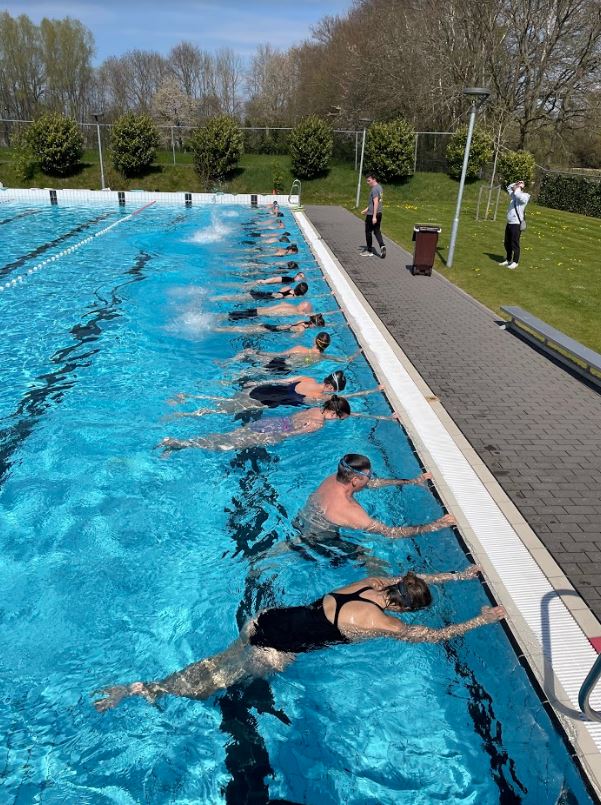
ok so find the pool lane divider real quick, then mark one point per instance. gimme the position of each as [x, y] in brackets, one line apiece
[554, 640]
[21, 278]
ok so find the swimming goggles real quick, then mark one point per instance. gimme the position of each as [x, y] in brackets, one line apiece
[404, 595]
[369, 474]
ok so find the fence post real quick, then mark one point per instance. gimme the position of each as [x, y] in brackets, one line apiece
[356, 148]
[415, 152]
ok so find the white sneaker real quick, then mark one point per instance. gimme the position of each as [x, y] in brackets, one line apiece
[512, 265]
[504, 263]
[365, 253]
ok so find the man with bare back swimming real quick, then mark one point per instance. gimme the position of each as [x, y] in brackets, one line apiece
[333, 506]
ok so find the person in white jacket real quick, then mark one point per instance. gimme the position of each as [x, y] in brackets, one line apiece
[516, 222]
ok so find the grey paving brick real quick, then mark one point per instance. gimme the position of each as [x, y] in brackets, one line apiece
[537, 428]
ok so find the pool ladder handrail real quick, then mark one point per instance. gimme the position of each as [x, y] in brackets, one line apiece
[589, 684]
[295, 184]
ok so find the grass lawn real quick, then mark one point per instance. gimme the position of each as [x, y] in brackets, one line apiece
[559, 278]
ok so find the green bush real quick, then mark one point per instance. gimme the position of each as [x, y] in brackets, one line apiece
[515, 165]
[134, 141]
[216, 147]
[311, 144]
[52, 141]
[571, 193]
[389, 150]
[481, 152]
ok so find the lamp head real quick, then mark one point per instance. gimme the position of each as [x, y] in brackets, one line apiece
[477, 92]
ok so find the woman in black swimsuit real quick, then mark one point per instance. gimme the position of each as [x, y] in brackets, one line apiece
[270, 641]
[316, 320]
[295, 391]
[299, 290]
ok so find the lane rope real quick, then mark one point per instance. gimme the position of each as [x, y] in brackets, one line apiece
[21, 278]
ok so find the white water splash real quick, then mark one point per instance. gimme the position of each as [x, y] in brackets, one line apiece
[212, 233]
[190, 292]
[191, 324]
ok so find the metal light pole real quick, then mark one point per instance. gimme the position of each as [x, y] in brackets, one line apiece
[365, 121]
[96, 115]
[476, 94]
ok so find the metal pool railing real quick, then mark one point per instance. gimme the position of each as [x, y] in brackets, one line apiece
[588, 686]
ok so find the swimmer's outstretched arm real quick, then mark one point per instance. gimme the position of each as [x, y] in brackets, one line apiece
[381, 582]
[365, 393]
[250, 328]
[343, 358]
[378, 483]
[403, 532]
[235, 297]
[361, 415]
[387, 626]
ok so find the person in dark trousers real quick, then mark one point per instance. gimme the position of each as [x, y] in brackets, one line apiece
[373, 218]
[516, 222]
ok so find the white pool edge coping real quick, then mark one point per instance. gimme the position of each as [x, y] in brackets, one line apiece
[549, 620]
[138, 197]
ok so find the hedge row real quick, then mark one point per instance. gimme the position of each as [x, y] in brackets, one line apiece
[571, 193]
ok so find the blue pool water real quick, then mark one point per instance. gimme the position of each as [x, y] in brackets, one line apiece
[118, 565]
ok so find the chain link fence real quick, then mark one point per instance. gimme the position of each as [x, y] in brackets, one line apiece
[429, 152]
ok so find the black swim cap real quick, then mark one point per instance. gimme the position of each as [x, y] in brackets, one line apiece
[322, 340]
[301, 289]
[291, 265]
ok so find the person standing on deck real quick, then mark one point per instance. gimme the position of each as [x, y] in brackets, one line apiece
[373, 217]
[516, 223]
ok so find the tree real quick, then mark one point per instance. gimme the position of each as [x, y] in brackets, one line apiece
[66, 49]
[311, 144]
[270, 86]
[515, 165]
[134, 140]
[131, 81]
[173, 107]
[389, 150]
[21, 66]
[55, 142]
[216, 147]
[188, 64]
[481, 151]
[228, 75]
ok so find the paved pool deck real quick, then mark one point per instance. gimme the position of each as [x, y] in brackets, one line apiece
[535, 427]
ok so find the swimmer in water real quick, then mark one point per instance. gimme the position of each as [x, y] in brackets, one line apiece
[316, 320]
[281, 309]
[333, 506]
[282, 361]
[288, 291]
[280, 279]
[297, 391]
[271, 640]
[269, 430]
[285, 252]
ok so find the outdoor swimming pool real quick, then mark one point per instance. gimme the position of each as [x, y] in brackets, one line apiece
[117, 565]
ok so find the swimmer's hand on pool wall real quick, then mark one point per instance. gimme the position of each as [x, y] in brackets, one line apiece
[492, 614]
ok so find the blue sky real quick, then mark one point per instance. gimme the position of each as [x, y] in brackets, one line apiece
[120, 25]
